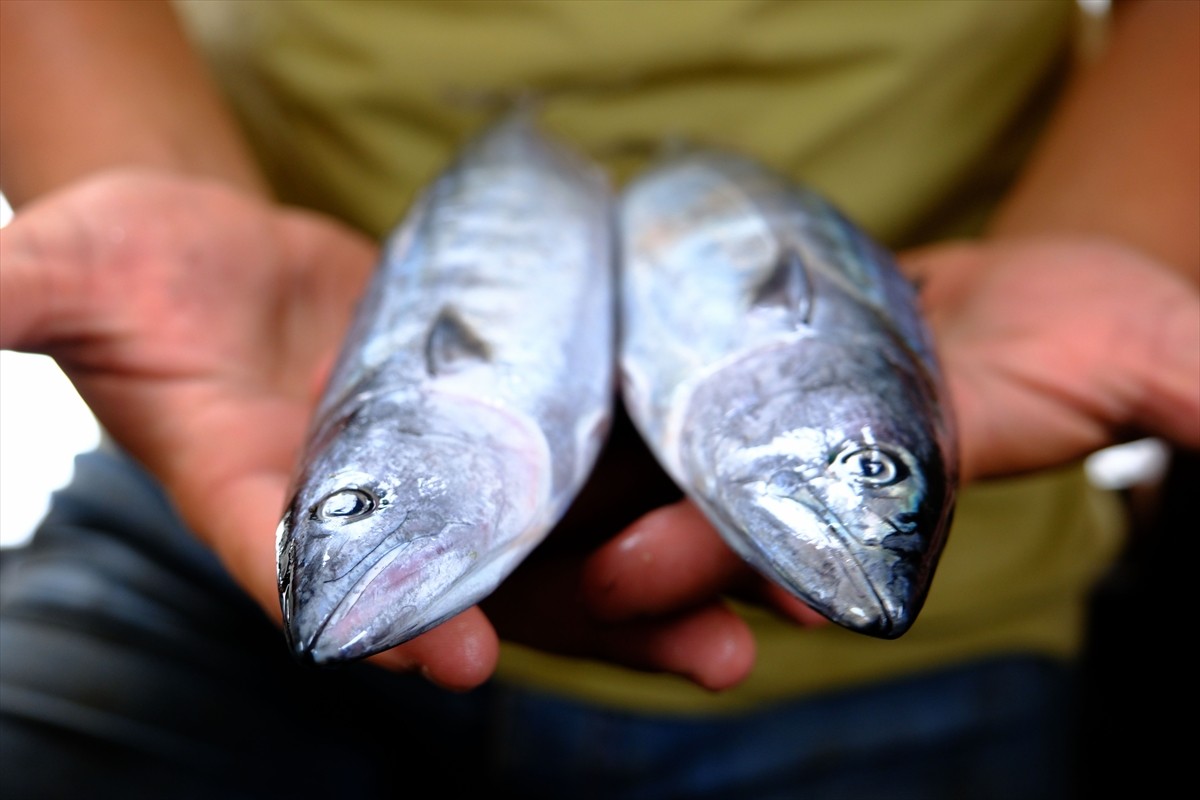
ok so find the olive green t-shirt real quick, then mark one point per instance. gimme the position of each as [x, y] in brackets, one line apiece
[912, 116]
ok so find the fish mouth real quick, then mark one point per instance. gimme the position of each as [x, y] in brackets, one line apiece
[804, 546]
[408, 590]
[393, 601]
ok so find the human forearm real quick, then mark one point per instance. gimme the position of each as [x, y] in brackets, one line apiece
[89, 85]
[1122, 157]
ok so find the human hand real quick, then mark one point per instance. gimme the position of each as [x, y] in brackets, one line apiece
[1056, 348]
[198, 323]
[1051, 349]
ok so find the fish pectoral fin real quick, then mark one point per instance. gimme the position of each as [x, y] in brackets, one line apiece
[789, 285]
[451, 345]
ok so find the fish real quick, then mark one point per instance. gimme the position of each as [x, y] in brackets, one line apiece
[468, 404]
[775, 361]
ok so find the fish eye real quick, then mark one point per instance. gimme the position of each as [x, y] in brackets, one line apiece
[345, 505]
[873, 466]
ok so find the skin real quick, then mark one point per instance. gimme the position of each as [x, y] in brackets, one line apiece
[194, 316]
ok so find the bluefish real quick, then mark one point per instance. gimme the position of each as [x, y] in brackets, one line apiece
[775, 362]
[467, 406]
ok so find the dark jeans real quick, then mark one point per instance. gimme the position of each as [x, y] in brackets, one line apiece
[132, 667]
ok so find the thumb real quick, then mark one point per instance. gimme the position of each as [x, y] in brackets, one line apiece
[32, 282]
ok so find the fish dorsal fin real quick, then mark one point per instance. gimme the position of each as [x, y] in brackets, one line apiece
[451, 345]
[788, 286]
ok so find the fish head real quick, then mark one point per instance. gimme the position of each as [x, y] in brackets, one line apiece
[831, 469]
[405, 515]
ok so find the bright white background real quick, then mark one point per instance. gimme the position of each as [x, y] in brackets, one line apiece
[43, 423]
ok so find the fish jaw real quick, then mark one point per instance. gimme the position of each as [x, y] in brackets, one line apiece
[408, 590]
[458, 494]
[849, 574]
[835, 483]
[387, 604]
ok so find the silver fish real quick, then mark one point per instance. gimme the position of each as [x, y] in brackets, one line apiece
[773, 359]
[468, 405]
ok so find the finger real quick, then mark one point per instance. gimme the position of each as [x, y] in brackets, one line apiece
[459, 655]
[672, 559]
[668, 560]
[1087, 342]
[540, 606]
[30, 282]
[711, 646]
[1167, 402]
[71, 260]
